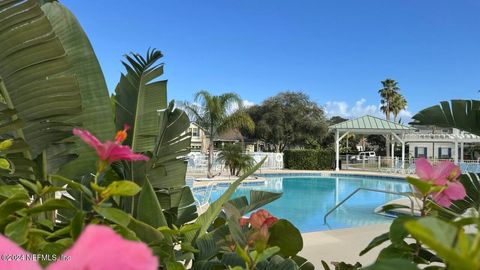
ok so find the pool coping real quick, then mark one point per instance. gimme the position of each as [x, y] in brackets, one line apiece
[329, 173]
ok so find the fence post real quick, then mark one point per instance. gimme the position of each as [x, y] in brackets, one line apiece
[346, 162]
[379, 163]
[363, 163]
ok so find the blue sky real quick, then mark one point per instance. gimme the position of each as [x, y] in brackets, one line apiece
[335, 51]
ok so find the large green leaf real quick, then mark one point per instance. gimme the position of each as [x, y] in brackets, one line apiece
[32, 82]
[258, 198]
[471, 182]
[449, 242]
[138, 97]
[148, 207]
[180, 205]
[285, 236]
[461, 114]
[206, 219]
[167, 169]
[97, 115]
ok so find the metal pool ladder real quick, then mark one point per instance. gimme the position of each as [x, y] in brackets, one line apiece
[367, 189]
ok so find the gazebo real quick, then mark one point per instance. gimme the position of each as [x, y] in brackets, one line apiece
[369, 125]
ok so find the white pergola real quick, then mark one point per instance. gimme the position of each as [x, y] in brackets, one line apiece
[369, 125]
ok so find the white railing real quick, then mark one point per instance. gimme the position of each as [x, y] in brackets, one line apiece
[198, 162]
[387, 164]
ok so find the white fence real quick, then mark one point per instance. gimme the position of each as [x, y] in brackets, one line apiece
[387, 164]
[198, 162]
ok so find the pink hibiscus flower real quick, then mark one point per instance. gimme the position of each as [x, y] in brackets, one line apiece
[109, 151]
[444, 174]
[98, 247]
[259, 219]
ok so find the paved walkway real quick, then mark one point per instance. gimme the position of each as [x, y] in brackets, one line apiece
[342, 245]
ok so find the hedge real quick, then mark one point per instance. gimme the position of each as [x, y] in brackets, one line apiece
[308, 159]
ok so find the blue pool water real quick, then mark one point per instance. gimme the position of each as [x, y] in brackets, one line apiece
[307, 199]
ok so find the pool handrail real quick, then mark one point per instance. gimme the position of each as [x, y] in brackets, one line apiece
[367, 189]
[208, 194]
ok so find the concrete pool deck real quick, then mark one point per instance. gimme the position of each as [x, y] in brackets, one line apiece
[342, 245]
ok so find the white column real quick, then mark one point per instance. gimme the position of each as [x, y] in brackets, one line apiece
[455, 153]
[337, 151]
[393, 154]
[462, 145]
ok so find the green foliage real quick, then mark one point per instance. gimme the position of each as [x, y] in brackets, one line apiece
[138, 97]
[157, 130]
[235, 159]
[285, 236]
[471, 182]
[39, 101]
[308, 159]
[288, 119]
[431, 242]
[392, 101]
[96, 116]
[461, 114]
[458, 249]
[215, 117]
[50, 81]
[206, 219]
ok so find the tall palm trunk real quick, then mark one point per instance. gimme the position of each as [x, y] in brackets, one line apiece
[210, 158]
[387, 139]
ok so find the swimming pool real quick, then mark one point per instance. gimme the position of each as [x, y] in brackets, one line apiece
[306, 199]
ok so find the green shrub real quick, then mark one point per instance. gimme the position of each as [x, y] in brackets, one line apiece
[309, 159]
[326, 159]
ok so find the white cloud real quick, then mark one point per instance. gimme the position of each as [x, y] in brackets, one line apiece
[339, 108]
[248, 103]
[360, 108]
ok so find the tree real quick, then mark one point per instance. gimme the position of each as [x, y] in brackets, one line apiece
[214, 114]
[329, 139]
[389, 93]
[235, 159]
[289, 119]
[399, 103]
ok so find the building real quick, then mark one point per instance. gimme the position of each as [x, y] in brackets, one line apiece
[441, 143]
[200, 139]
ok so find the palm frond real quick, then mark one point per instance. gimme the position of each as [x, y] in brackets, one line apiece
[238, 120]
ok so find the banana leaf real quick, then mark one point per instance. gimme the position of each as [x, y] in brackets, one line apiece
[167, 167]
[97, 115]
[32, 83]
[460, 114]
[138, 97]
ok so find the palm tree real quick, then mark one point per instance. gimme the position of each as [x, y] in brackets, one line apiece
[235, 159]
[216, 115]
[388, 93]
[398, 104]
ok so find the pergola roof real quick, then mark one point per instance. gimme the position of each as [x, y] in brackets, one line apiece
[370, 124]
